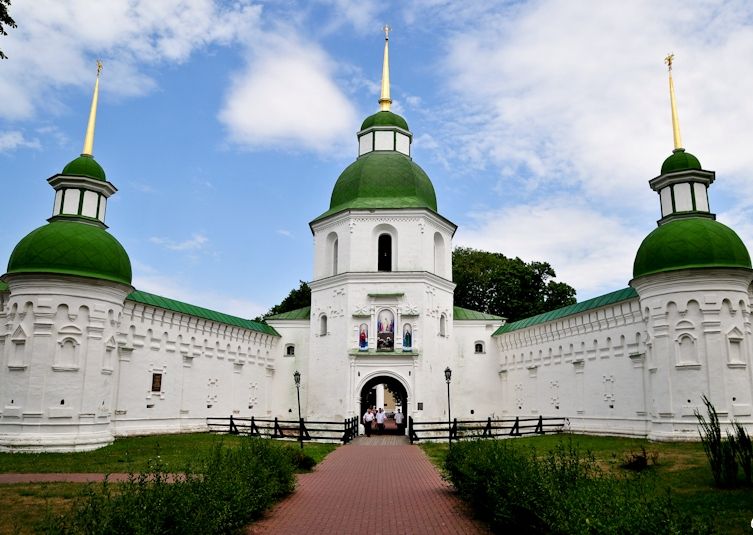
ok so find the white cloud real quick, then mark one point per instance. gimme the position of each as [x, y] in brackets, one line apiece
[14, 139]
[288, 98]
[56, 43]
[577, 92]
[196, 242]
[284, 232]
[590, 251]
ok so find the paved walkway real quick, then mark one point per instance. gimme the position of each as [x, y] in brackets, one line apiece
[364, 490]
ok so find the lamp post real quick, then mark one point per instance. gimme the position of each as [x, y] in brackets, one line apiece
[297, 379]
[448, 378]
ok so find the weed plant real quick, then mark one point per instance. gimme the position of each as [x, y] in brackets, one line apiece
[221, 493]
[517, 490]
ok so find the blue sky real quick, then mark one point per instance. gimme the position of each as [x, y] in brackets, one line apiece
[225, 125]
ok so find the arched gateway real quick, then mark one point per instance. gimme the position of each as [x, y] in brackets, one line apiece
[386, 392]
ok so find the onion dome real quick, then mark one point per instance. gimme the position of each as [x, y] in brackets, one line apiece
[382, 180]
[85, 165]
[384, 118]
[680, 161]
[690, 243]
[72, 248]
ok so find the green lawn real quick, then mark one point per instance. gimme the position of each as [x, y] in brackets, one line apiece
[132, 454]
[681, 467]
[25, 504]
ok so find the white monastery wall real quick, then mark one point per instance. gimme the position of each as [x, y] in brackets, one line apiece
[587, 367]
[58, 348]
[208, 369]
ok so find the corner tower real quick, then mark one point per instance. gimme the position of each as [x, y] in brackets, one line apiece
[67, 282]
[382, 294]
[693, 275]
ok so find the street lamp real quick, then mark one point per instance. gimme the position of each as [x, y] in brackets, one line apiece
[297, 379]
[448, 378]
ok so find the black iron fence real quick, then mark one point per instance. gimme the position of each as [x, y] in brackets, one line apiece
[294, 430]
[466, 429]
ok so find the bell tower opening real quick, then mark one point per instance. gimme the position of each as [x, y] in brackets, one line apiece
[389, 394]
[384, 247]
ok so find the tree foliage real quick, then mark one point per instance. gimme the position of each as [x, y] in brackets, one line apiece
[509, 287]
[297, 298]
[6, 20]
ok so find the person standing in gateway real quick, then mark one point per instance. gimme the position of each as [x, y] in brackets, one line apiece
[399, 420]
[380, 420]
[367, 419]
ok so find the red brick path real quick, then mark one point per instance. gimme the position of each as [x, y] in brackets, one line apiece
[362, 490]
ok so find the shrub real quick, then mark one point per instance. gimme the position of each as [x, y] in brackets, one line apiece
[221, 493]
[721, 452]
[563, 491]
[743, 447]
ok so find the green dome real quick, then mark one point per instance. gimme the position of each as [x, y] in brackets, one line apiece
[680, 161]
[696, 242]
[87, 166]
[72, 248]
[382, 180]
[384, 118]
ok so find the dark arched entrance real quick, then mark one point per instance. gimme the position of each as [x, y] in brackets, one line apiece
[397, 394]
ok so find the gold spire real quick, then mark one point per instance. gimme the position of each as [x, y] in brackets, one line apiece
[673, 101]
[89, 139]
[385, 101]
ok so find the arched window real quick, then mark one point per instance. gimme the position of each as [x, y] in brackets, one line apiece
[439, 254]
[478, 347]
[290, 350]
[323, 325]
[384, 252]
[334, 257]
[443, 325]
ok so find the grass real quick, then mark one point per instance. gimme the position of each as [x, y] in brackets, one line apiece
[24, 504]
[132, 454]
[681, 466]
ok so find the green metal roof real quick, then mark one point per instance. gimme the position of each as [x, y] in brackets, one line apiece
[577, 308]
[86, 166]
[382, 180]
[680, 161]
[463, 314]
[298, 314]
[3, 286]
[695, 242]
[384, 118]
[72, 248]
[200, 312]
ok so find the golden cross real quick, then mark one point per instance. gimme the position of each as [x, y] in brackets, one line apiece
[387, 31]
[99, 67]
[668, 60]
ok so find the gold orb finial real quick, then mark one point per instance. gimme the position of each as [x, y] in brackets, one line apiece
[387, 31]
[669, 59]
[385, 101]
[89, 137]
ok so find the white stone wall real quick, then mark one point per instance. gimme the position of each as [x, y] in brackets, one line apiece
[698, 342]
[416, 237]
[587, 367]
[208, 369]
[57, 349]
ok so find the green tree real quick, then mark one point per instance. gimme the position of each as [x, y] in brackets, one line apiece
[6, 20]
[297, 298]
[509, 287]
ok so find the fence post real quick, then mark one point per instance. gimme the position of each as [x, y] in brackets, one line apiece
[454, 429]
[540, 426]
[254, 432]
[233, 428]
[277, 433]
[488, 428]
[410, 429]
[515, 431]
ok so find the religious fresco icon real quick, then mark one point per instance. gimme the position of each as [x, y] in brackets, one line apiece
[363, 337]
[407, 337]
[385, 331]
